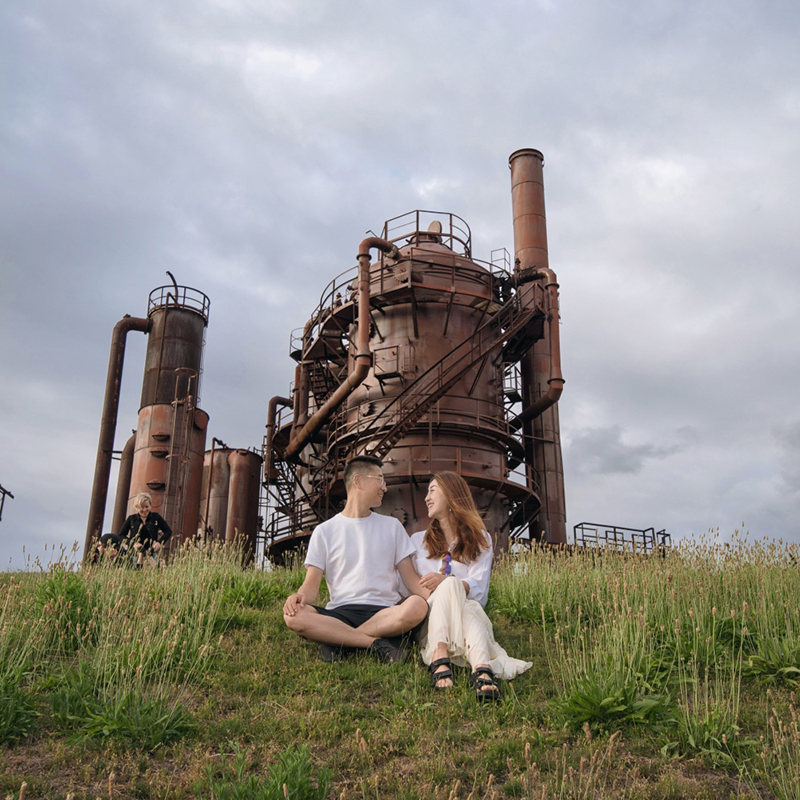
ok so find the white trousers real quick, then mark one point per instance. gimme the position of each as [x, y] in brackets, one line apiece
[463, 626]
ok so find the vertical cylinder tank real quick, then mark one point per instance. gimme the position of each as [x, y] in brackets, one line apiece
[214, 495]
[171, 431]
[229, 498]
[242, 517]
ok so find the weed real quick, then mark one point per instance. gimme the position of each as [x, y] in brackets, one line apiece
[18, 717]
[776, 660]
[291, 777]
[133, 721]
[604, 702]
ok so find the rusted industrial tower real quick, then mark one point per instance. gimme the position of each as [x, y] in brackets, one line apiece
[210, 495]
[164, 457]
[431, 361]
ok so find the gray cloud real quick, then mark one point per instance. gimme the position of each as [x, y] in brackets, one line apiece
[601, 451]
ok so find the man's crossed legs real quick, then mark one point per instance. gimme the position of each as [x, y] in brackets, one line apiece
[360, 627]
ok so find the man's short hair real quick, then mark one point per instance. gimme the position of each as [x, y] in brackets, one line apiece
[359, 465]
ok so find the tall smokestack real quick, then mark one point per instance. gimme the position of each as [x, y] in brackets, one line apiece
[527, 203]
[540, 366]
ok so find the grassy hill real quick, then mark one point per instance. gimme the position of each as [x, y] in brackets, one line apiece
[652, 678]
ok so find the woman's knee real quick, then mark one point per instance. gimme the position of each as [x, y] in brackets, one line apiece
[452, 590]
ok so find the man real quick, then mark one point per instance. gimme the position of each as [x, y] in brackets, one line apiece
[360, 553]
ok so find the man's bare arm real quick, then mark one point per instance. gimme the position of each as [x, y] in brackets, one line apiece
[411, 579]
[306, 594]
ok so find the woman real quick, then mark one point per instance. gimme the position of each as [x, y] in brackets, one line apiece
[146, 530]
[454, 558]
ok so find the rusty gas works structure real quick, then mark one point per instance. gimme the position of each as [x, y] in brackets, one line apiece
[165, 455]
[430, 360]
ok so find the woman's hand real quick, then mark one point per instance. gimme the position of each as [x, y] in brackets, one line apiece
[431, 580]
[156, 546]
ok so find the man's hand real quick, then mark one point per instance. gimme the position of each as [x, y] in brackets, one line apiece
[156, 546]
[431, 580]
[307, 593]
[294, 602]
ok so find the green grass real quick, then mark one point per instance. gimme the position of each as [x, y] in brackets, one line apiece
[651, 678]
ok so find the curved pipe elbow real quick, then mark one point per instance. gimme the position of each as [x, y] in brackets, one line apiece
[272, 416]
[541, 405]
[108, 425]
[378, 244]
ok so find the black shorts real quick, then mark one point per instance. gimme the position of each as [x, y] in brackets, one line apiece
[355, 614]
[352, 614]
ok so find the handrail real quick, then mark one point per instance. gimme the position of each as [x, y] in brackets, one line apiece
[178, 297]
[637, 540]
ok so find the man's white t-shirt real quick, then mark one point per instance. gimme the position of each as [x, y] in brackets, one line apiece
[359, 556]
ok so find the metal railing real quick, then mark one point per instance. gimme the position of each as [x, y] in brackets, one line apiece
[406, 227]
[178, 297]
[625, 540]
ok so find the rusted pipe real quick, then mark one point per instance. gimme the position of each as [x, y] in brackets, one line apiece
[208, 488]
[556, 379]
[108, 427]
[272, 417]
[299, 399]
[123, 484]
[363, 357]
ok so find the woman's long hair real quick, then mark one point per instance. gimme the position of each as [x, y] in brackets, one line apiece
[464, 517]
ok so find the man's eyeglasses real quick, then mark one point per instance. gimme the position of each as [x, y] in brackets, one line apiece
[377, 478]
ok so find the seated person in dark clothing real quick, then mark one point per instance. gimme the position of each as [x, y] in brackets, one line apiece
[147, 531]
[110, 546]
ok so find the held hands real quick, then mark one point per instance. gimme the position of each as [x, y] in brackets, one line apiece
[431, 580]
[294, 602]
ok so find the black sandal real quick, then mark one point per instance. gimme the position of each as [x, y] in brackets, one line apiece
[440, 676]
[484, 684]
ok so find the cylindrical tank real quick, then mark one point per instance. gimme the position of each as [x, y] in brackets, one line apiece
[171, 431]
[214, 495]
[242, 517]
[174, 357]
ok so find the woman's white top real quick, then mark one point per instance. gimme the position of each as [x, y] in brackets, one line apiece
[476, 573]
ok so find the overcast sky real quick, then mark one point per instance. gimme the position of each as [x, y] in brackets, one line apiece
[246, 146]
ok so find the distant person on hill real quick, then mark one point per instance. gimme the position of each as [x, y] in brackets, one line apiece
[360, 554]
[145, 531]
[110, 546]
[454, 558]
